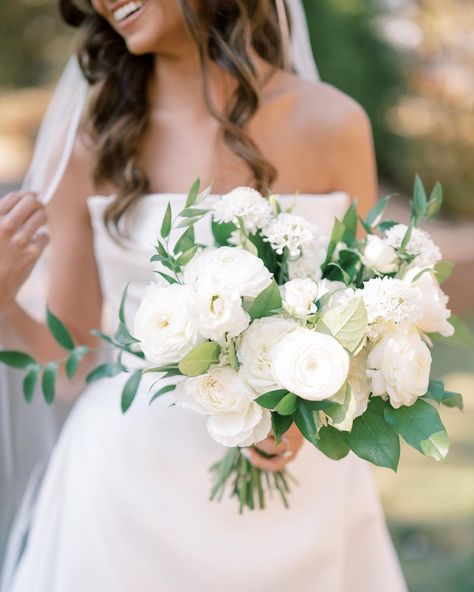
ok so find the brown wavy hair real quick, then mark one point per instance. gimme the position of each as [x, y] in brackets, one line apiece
[226, 33]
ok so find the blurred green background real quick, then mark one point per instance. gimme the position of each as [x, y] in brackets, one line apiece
[411, 65]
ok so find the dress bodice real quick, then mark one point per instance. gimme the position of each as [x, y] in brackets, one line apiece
[129, 260]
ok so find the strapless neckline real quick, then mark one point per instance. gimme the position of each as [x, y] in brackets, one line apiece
[177, 196]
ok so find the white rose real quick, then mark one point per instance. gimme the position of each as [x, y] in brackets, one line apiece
[222, 394]
[217, 311]
[233, 267]
[299, 297]
[255, 348]
[434, 303]
[311, 365]
[163, 324]
[399, 366]
[379, 256]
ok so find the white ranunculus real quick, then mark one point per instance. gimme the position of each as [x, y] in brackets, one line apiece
[164, 326]
[399, 366]
[254, 351]
[222, 394]
[379, 255]
[216, 310]
[434, 303]
[312, 365]
[244, 204]
[232, 267]
[299, 297]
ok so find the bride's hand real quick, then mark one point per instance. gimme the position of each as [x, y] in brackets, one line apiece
[21, 216]
[282, 454]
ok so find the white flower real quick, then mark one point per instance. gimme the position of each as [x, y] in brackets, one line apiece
[390, 299]
[254, 351]
[290, 231]
[299, 297]
[246, 204]
[338, 291]
[234, 268]
[163, 324]
[222, 394]
[308, 265]
[426, 252]
[218, 310]
[434, 303]
[399, 366]
[379, 255]
[312, 365]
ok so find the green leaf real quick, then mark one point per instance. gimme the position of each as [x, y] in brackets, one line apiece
[336, 237]
[185, 241]
[280, 425]
[166, 224]
[435, 390]
[266, 302]
[453, 400]
[48, 381]
[59, 331]
[200, 359]
[420, 201]
[271, 399]
[435, 202]
[222, 232]
[193, 193]
[443, 271]
[350, 222]
[29, 383]
[103, 336]
[188, 222]
[332, 443]
[342, 274]
[376, 213]
[104, 371]
[186, 257]
[420, 426]
[123, 302]
[123, 336]
[386, 225]
[168, 278]
[233, 360]
[372, 439]
[304, 420]
[348, 323]
[130, 390]
[74, 360]
[287, 406]
[166, 389]
[159, 369]
[16, 359]
[463, 335]
[193, 213]
[407, 237]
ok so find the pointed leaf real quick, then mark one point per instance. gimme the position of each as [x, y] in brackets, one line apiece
[266, 302]
[280, 425]
[443, 271]
[185, 241]
[287, 406]
[104, 371]
[188, 222]
[166, 224]
[48, 381]
[193, 193]
[222, 232]
[16, 359]
[304, 420]
[123, 302]
[186, 257]
[435, 203]
[29, 383]
[168, 278]
[130, 390]
[163, 391]
[451, 399]
[59, 331]
[123, 336]
[232, 353]
[200, 359]
[271, 399]
[375, 215]
[193, 212]
[350, 222]
[74, 360]
[348, 323]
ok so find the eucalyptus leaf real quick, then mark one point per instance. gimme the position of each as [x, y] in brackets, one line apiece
[421, 427]
[348, 323]
[193, 193]
[123, 302]
[271, 399]
[193, 212]
[185, 242]
[375, 215]
[420, 201]
[266, 302]
[108, 370]
[29, 383]
[74, 359]
[167, 278]
[16, 359]
[130, 390]
[186, 257]
[163, 391]
[435, 202]
[48, 381]
[166, 224]
[200, 359]
[59, 331]
[123, 336]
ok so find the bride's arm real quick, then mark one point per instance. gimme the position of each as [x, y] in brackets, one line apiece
[73, 289]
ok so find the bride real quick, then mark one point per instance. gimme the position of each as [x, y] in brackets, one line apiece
[181, 89]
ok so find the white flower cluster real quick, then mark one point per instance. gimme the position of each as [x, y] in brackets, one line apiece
[390, 299]
[420, 245]
[244, 204]
[292, 232]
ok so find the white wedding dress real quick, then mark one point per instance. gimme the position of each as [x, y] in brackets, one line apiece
[124, 504]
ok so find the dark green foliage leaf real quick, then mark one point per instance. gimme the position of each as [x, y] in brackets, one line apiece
[376, 213]
[185, 242]
[103, 336]
[74, 360]
[451, 399]
[48, 381]
[123, 337]
[435, 390]
[304, 420]
[104, 371]
[29, 383]
[373, 439]
[350, 222]
[265, 253]
[266, 302]
[280, 425]
[193, 193]
[16, 359]
[287, 406]
[166, 389]
[222, 232]
[332, 443]
[166, 224]
[386, 225]
[421, 427]
[271, 399]
[59, 331]
[200, 359]
[337, 273]
[130, 390]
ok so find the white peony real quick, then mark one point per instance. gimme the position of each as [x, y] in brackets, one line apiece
[390, 299]
[292, 232]
[254, 351]
[399, 366]
[299, 297]
[312, 365]
[163, 324]
[434, 303]
[233, 267]
[245, 204]
[421, 245]
[222, 394]
[217, 311]
[379, 255]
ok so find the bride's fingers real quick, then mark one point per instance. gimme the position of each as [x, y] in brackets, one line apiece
[266, 464]
[7, 202]
[21, 211]
[269, 446]
[30, 227]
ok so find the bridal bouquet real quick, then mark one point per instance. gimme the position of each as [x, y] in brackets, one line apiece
[276, 325]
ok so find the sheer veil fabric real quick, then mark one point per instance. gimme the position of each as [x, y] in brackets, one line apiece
[28, 433]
